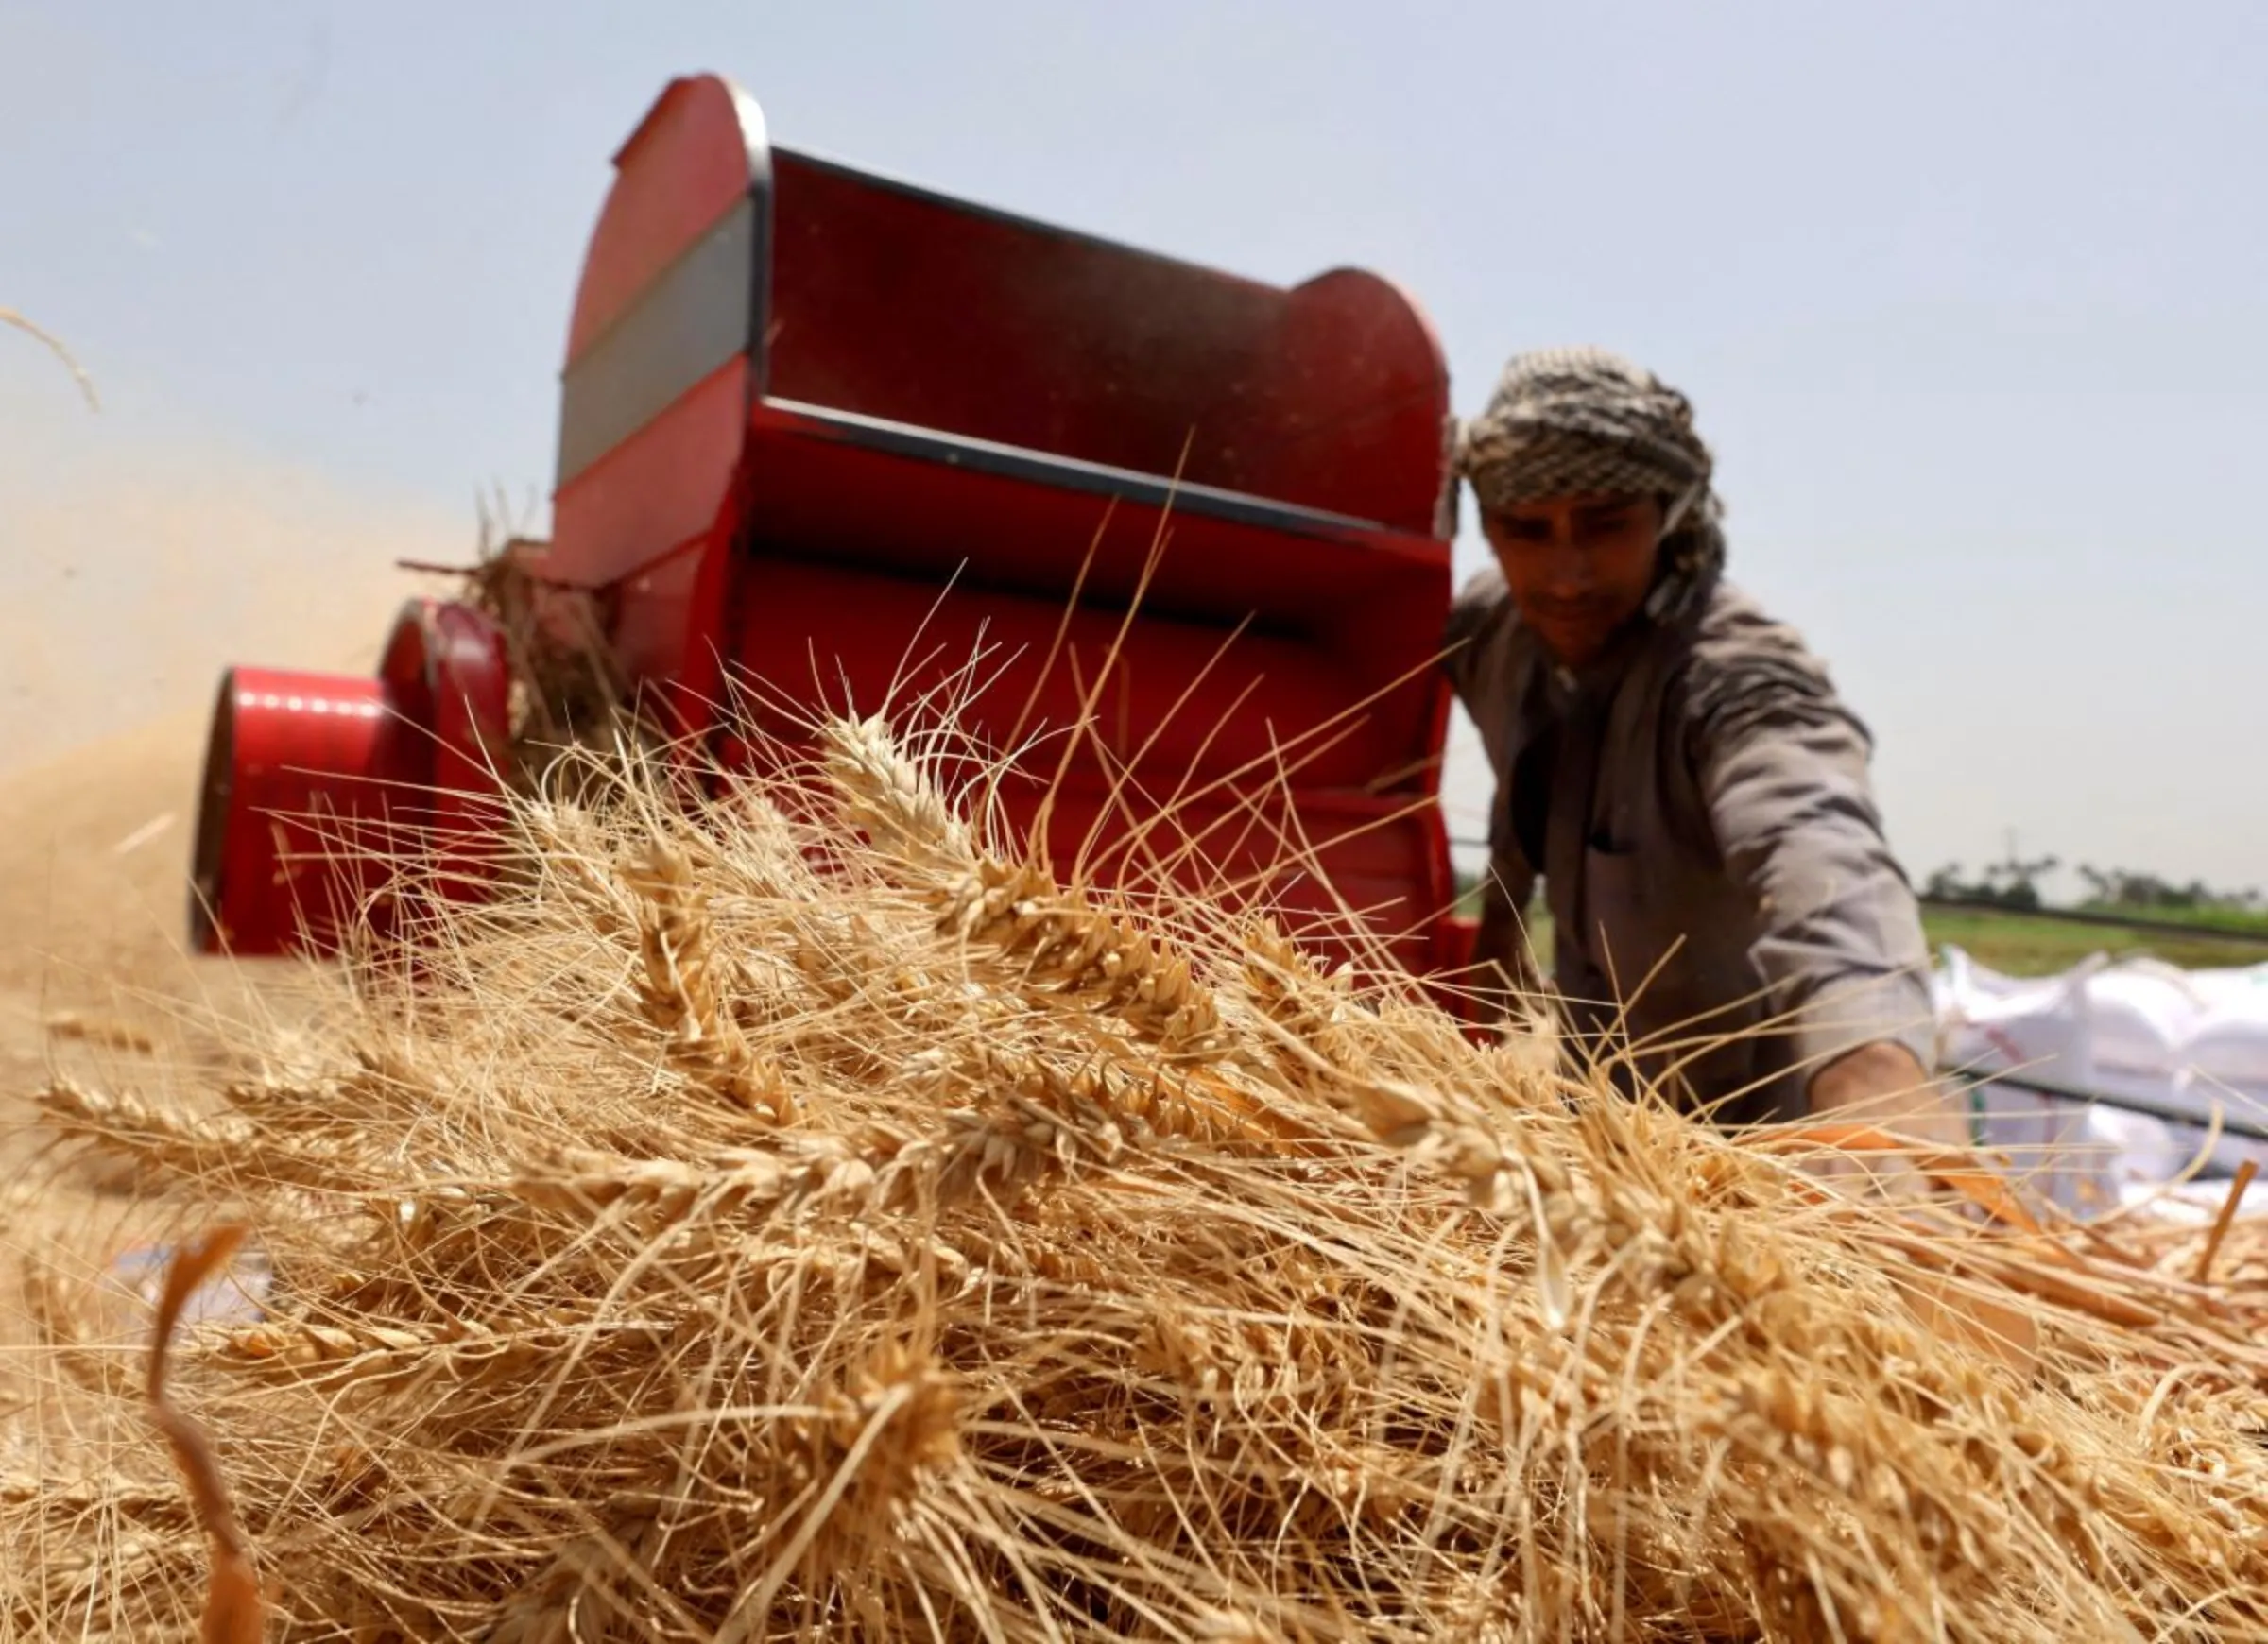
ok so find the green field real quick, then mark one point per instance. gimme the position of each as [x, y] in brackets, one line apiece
[2019, 945]
[2241, 921]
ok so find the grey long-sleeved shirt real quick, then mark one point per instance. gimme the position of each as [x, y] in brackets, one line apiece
[1724, 906]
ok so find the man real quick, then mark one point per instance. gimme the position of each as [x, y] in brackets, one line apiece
[1679, 771]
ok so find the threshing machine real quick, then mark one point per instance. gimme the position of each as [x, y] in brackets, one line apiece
[819, 426]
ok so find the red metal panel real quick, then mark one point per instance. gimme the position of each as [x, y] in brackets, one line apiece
[1365, 607]
[1455, 939]
[956, 393]
[1351, 412]
[657, 490]
[448, 685]
[657, 634]
[687, 164]
[824, 490]
[896, 303]
[901, 305]
[295, 773]
[1243, 698]
[698, 156]
[321, 790]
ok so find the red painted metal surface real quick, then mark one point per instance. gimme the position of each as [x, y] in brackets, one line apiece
[295, 771]
[893, 304]
[1234, 730]
[656, 491]
[838, 436]
[821, 485]
[1179, 696]
[321, 789]
[682, 168]
[448, 687]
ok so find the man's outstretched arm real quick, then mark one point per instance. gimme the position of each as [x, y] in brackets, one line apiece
[1840, 942]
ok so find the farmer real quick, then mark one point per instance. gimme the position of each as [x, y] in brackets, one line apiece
[1680, 773]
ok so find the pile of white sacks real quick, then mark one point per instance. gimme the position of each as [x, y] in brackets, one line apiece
[2050, 1057]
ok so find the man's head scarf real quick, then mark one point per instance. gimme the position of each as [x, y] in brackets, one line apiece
[1582, 421]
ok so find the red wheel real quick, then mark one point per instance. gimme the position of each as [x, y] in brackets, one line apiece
[446, 675]
[294, 783]
[320, 790]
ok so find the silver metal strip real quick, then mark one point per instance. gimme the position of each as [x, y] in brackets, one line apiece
[695, 316]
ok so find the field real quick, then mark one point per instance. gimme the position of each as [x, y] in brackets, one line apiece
[2025, 945]
[2236, 921]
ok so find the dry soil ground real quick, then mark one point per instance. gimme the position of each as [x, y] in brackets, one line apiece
[94, 979]
[94, 854]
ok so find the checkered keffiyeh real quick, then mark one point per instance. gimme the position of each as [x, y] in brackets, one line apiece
[1582, 421]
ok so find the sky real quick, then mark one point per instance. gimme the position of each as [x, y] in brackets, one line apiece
[1969, 297]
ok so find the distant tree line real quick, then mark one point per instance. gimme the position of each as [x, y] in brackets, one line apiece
[2144, 891]
[2014, 883]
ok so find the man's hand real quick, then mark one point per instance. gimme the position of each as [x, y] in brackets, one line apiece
[1885, 1085]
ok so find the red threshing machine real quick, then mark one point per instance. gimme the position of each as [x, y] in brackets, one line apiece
[815, 422]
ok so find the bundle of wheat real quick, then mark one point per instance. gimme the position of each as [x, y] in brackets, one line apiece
[797, 1214]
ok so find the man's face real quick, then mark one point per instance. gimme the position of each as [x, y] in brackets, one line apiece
[1578, 567]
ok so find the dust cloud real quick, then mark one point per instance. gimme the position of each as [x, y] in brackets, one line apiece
[133, 574]
[133, 570]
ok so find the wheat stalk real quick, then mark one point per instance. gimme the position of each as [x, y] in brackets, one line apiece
[1118, 1271]
[55, 346]
[684, 986]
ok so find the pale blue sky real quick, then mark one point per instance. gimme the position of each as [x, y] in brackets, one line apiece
[1972, 299]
